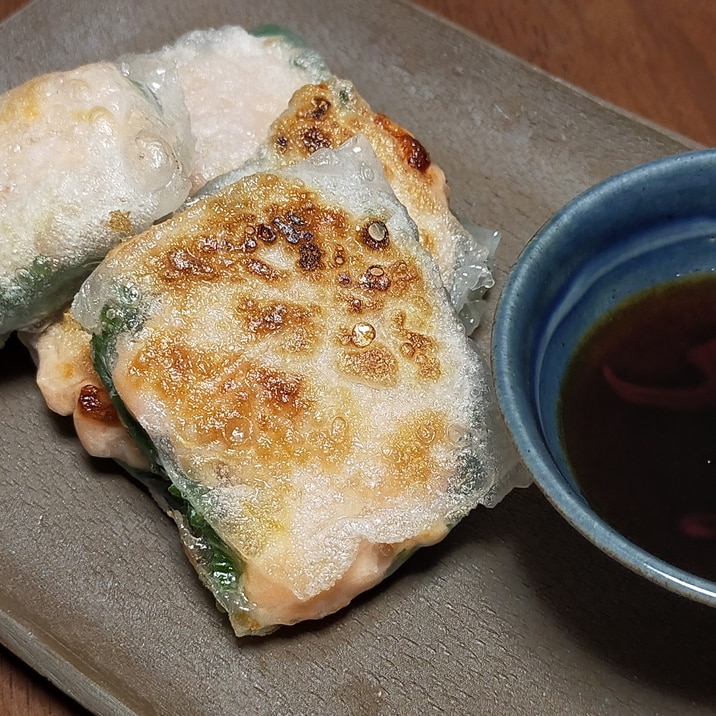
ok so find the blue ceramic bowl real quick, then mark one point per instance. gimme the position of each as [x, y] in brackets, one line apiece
[651, 224]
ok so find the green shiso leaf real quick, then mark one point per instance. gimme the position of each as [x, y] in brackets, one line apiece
[304, 57]
[275, 30]
[218, 568]
[214, 561]
[124, 315]
[36, 291]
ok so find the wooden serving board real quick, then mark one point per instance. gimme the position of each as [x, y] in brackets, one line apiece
[514, 613]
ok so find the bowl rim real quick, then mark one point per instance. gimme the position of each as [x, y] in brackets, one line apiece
[525, 431]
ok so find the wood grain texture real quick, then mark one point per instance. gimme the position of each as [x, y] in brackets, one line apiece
[656, 58]
[653, 57]
[24, 693]
[7, 7]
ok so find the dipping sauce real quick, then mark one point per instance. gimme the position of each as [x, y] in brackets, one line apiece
[637, 417]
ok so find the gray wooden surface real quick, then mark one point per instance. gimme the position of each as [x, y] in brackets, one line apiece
[513, 614]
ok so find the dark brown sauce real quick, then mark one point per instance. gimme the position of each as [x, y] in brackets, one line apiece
[638, 421]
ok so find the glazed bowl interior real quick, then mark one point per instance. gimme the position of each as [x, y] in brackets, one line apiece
[647, 226]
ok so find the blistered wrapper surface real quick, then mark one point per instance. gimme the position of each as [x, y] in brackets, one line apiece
[393, 461]
[87, 158]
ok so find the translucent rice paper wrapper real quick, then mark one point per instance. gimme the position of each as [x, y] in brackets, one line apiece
[425, 450]
[88, 157]
[328, 114]
[234, 84]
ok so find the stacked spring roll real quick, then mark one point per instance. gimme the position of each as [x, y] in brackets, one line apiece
[280, 360]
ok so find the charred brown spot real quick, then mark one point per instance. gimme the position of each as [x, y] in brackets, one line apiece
[280, 389]
[362, 303]
[225, 398]
[375, 235]
[345, 336]
[183, 262]
[319, 107]
[409, 454]
[120, 223]
[95, 403]
[419, 348]
[314, 139]
[294, 323]
[249, 244]
[310, 256]
[266, 233]
[262, 269]
[413, 152]
[264, 320]
[428, 366]
[210, 245]
[344, 279]
[281, 143]
[376, 365]
[293, 227]
[281, 211]
[402, 275]
[375, 279]
[339, 257]
[420, 342]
